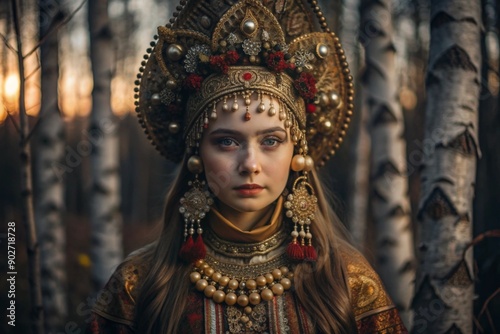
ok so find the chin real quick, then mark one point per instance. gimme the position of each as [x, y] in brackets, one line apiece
[249, 205]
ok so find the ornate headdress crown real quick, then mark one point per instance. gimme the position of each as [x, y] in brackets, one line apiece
[214, 50]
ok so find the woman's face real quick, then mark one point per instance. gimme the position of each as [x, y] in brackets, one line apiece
[246, 163]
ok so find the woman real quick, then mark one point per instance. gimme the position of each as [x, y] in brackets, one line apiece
[250, 96]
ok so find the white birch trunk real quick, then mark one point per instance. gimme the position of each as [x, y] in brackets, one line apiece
[49, 152]
[28, 215]
[390, 207]
[444, 296]
[360, 150]
[106, 224]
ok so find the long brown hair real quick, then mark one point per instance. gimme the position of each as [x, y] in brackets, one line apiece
[322, 288]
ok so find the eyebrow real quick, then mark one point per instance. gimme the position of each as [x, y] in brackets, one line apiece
[234, 132]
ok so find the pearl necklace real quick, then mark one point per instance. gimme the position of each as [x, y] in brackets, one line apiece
[245, 292]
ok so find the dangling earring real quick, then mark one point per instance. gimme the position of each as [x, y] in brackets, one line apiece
[301, 206]
[195, 204]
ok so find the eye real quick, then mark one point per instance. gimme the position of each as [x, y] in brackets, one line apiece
[271, 141]
[226, 142]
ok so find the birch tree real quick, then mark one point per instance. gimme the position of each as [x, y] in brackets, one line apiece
[106, 247]
[27, 185]
[360, 149]
[390, 208]
[49, 204]
[444, 296]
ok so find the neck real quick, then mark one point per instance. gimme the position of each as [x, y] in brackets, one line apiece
[245, 221]
[235, 226]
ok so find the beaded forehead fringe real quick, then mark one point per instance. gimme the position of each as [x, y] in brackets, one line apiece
[215, 37]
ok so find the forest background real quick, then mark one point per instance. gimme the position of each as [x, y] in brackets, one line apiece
[381, 197]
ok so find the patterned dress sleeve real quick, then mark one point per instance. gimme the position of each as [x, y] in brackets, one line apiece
[114, 310]
[373, 309]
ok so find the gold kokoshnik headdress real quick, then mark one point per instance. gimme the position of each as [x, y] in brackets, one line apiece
[216, 52]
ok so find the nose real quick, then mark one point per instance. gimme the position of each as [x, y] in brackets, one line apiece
[249, 162]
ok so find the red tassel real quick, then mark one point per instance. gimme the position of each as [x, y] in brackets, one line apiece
[199, 250]
[310, 253]
[193, 250]
[185, 251]
[294, 251]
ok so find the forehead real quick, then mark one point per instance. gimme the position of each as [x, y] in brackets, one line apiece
[257, 119]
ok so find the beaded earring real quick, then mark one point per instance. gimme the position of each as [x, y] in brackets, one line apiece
[195, 204]
[301, 205]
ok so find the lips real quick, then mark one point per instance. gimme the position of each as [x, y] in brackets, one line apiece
[249, 186]
[249, 190]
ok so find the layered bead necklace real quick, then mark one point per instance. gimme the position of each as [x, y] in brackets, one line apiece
[243, 286]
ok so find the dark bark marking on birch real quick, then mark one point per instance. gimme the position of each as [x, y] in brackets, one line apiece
[437, 206]
[424, 292]
[383, 115]
[464, 143]
[460, 276]
[453, 330]
[371, 70]
[408, 266]
[385, 168]
[441, 18]
[397, 212]
[455, 58]
[432, 80]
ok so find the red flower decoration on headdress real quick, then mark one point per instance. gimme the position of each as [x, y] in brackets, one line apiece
[218, 63]
[232, 57]
[276, 61]
[193, 82]
[306, 85]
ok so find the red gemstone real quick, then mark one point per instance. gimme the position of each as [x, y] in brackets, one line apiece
[247, 76]
[311, 108]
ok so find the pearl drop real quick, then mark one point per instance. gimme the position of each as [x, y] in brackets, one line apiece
[155, 99]
[249, 27]
[277, 273]
[209, 291]
[309, 164]
[208, 272]
[251, 284]
[225, 107]
[295, 234]
[219, 296]
[262, 107]
[269, 278]
[261, 281]
[174, 52]
[216, 277]
[233, 284]
[286, 283]
[248, 102]
[272, 111]
[322, 50]
[231, 299]
[195, 165]
[254, 298]
[224, 280]
[243, 300]
[278, 289]
[194, 277]
[235, 107]
[173, 128]
[267, 294]
[201, 284]
[298, 163]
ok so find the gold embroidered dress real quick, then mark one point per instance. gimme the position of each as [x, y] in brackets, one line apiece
[247, 254]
